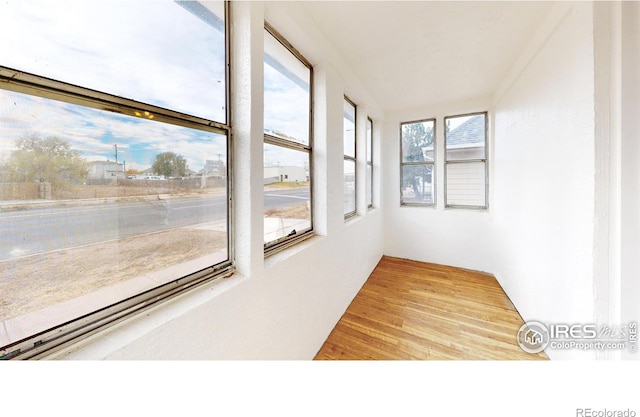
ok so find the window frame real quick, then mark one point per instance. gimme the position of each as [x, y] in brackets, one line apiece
[353, 158]
[282, 243]
[484, 160]
[369, 152]
[433, 204]
[61, 335]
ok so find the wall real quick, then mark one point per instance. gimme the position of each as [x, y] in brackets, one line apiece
[630, 201]
[282, 307]
[537, 237]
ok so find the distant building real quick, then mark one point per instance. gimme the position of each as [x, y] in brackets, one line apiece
[105, 170]
[285, 174]
[212, 168]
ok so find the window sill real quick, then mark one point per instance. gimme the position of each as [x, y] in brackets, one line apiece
[275, 258]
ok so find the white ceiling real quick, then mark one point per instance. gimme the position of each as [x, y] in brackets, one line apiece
[416, 53]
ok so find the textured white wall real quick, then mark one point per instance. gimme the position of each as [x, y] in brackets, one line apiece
[545, 179]
[285, 306]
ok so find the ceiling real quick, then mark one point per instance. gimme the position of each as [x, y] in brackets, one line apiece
[417, 53]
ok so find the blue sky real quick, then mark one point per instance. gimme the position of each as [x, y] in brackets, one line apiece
[151, 51]
[155, 52]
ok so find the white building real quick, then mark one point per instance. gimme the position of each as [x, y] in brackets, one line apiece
[285, 174]
[105, 170]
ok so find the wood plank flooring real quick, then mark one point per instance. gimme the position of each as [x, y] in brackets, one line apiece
[415, 310]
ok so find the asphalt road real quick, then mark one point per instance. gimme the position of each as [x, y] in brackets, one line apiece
[41, 230]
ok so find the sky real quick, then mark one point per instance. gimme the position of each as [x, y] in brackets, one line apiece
[155, 52]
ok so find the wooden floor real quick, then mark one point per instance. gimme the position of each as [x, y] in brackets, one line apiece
[414, 310]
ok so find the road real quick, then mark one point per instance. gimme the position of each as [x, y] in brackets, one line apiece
[41, 230]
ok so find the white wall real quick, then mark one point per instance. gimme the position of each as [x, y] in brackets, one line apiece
[630, 285]
[285, 306]
[537, 236]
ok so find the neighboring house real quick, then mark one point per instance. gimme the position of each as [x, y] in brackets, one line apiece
[284, 174]
[213, 169]
[105, 170]
[467, 140]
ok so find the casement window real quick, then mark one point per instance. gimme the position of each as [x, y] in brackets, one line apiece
[417, 161]
[349, 139]
[369, 163]
[466, 181]
[114, 163]
[288, 141]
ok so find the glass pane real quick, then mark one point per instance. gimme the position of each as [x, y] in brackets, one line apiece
[161, 53]
[286, 93]
[369, 140]
[466, 184]
[369, 185]
[417, 184]
[349, 125]
[98, 206]
[418, 141]
[465, 137]
[349, 186]
[287, 195]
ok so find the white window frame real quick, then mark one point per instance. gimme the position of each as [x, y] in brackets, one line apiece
[285, 242]
[420, 163]
[483, 160]
[369, 158]
[353, 158]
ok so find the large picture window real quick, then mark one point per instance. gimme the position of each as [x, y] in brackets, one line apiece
[349, 139]
[287, 143]
[417, 160]
[114, 167]
[466, 161]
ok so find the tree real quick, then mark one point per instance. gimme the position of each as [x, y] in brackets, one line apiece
[416, 137]
[133, 171]
[49, 159]
[170, 164]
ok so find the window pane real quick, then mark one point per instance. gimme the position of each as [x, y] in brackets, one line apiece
[465, 137]
[418, 141]
[161, 53]
[369, 140]
[417, 184]
[286, 93]
[349, 125]
[466, 184]
[82, 228]
[349, 186]
[287, 195]
[369, 185]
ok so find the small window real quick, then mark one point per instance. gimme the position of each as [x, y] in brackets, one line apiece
[349, 139]
[369, 163]
[466, 183]
[287, 143]
[417, 183]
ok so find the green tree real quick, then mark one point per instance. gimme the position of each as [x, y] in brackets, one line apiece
[416, 138]
[49, 159]
[170, 164]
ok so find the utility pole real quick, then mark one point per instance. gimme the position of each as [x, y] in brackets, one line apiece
[116, 148]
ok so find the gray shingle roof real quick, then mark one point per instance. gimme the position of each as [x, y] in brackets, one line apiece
[470, 132]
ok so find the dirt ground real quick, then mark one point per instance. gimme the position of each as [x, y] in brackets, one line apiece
[31, 283]
[298, 211]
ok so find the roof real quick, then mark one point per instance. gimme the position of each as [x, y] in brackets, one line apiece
[470, 132]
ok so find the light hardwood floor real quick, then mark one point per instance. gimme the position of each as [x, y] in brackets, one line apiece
[415, 310]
